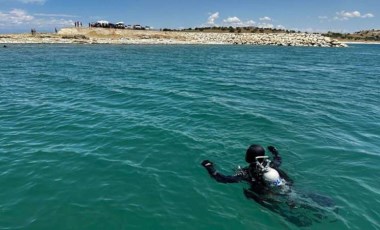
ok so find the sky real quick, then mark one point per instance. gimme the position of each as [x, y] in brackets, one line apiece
[304, 15]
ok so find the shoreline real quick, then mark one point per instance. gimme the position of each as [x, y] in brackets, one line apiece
[118, 36]
[361, 42]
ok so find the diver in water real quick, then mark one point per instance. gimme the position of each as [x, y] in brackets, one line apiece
[270, 186]
[262, 174]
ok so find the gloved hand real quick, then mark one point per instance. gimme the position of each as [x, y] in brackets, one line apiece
[273, 150]
[207, 163]
[209, 166]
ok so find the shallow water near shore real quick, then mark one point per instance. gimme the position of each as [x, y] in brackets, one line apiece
[112, 136]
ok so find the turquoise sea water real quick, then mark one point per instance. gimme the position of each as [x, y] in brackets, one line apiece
[111, 137]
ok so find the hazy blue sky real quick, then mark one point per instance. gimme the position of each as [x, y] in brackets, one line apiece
[305, 15]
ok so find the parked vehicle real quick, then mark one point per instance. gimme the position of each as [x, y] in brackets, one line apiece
[120, 25]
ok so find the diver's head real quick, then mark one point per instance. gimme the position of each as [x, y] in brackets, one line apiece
[252, 152]
[272, 178]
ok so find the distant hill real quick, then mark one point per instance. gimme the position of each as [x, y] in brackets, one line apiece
[364, 35]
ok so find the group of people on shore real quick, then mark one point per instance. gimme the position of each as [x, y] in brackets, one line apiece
[78, 24]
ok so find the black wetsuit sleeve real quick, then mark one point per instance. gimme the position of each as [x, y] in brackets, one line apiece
[223, 178]
[276, 161]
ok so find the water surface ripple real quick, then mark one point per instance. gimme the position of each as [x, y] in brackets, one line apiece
[111, 137]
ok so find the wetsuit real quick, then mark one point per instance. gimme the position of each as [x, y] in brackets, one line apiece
[295, 211]
[251, 174]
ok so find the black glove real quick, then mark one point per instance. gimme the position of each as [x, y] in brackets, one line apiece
[209, 167]
[273, 150]
[207, 163]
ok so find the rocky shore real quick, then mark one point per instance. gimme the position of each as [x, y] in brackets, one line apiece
[117, 36]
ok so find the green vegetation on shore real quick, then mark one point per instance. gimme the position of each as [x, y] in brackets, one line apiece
[364, 35]
[230, 29]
